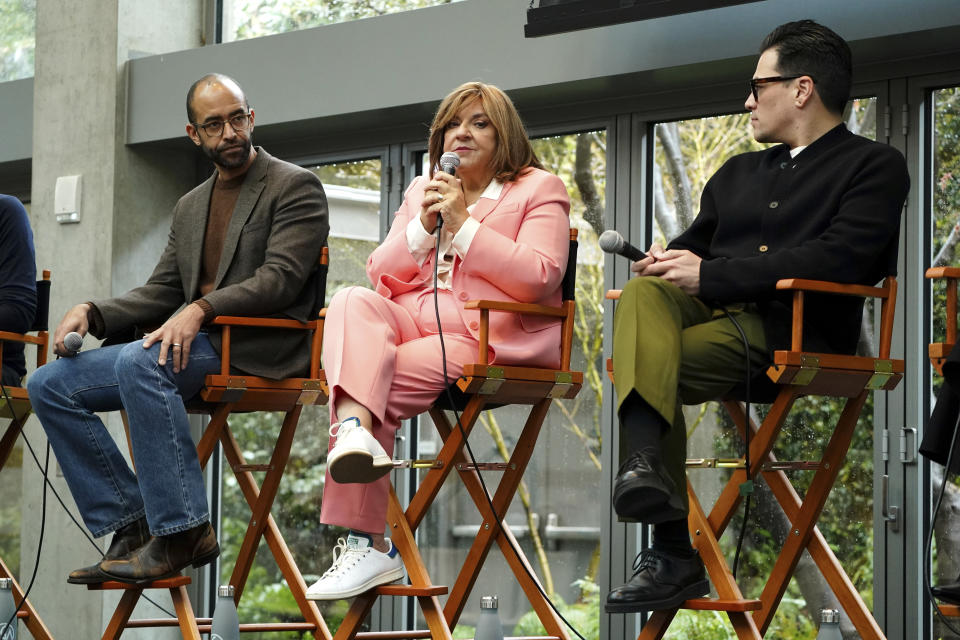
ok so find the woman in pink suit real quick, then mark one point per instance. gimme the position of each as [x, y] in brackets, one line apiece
[504, 236]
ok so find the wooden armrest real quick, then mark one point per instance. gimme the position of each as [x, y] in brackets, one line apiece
[943, 272]
[20, 337]
[516, 307]
[823, 286]
[613, 294]
[267, 323]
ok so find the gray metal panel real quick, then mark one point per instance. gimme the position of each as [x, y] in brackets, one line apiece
[375, 65]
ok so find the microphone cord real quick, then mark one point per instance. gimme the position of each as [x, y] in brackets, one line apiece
[49, 485]
[928, 551]
[463, 434]
[746, 488]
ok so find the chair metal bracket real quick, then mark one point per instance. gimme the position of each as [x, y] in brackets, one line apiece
[715, 463]
[809, 368]
[485, 466]
[312, 392]
[562, 383]
[493, 379]
[882, 372]
[421, 463]
[234, 390]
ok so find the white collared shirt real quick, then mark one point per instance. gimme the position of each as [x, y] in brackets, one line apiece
[421, 243]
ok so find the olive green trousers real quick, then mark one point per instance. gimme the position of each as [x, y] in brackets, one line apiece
[672, 349]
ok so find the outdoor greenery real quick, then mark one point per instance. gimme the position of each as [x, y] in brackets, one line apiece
[17, 20]
[266, 17]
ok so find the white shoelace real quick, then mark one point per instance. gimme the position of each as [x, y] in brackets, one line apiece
[339, 428]
[341, 554]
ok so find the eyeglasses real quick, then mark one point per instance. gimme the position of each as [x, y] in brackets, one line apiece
[756, 83]
[214, 129]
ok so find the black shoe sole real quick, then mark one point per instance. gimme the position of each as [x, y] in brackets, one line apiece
[695, 590]
[640, 502]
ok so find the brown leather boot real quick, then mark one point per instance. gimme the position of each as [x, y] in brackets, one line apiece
[164, 556]
[125, 539]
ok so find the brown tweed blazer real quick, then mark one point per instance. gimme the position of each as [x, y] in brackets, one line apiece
[270, 252]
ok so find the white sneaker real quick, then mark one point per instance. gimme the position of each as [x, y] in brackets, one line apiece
[356, 456]
[357, 567]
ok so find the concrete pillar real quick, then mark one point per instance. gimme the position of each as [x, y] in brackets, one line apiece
[127, 196]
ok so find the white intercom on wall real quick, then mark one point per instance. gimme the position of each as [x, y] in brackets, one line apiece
[66, 199]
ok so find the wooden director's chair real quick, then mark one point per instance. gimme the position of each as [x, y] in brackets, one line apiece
[482, 386]
[794, 373]
[227, 393]
[938, 352]
[15, 407]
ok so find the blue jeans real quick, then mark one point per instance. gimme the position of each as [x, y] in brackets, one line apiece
[168, 487]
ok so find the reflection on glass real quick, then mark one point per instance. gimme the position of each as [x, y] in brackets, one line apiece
[686, 154]
[944, 232]
[555, 515]
[17, 38]
[243, 19]
[353, 196]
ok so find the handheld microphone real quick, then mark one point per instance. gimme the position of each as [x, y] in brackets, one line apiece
[72, 342]
[612, 242]
[449, 162]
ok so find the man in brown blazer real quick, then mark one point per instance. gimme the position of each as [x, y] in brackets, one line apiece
[245, 242]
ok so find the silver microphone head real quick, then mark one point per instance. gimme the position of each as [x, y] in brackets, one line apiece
[72, 342]
[611, 241]
[449, 162]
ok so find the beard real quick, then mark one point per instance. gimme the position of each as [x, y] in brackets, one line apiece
[238, 151]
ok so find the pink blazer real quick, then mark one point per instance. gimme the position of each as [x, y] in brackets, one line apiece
[519, 254]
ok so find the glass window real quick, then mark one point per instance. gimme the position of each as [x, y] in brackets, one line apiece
[17, 38]
[945, 218]
[244, 19]
[11, 484]
[555, 515]
[353, 196]
[686, 154]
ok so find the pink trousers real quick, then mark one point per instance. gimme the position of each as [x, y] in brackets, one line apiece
[385, 354]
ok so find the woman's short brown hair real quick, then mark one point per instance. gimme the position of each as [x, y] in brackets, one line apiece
[513, 153]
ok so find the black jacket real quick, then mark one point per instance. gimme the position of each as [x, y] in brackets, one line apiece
[831, 213]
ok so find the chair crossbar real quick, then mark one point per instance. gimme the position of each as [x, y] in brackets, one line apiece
[120, 620]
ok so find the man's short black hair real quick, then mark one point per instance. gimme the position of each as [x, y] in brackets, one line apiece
[211, 78]
[807, 48]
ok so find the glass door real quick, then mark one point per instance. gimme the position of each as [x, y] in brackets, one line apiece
[556, 514]
[353, 190]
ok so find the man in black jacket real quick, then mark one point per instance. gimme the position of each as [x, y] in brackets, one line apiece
[824, 204]
[18, 284]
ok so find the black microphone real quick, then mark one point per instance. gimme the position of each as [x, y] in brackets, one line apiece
[612, 242]
[449, 162]
[72, 343]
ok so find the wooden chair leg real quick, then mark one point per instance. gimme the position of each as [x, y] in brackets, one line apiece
[32, 620]
[121, 615]
[271, 533]
[9, 439]
[181, 604]
[815, 498]
[490, 531]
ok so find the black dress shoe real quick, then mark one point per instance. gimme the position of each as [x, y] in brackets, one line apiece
[164, 556]
[949, 593]
[644, 491]
[660, 581]
[125, 539]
